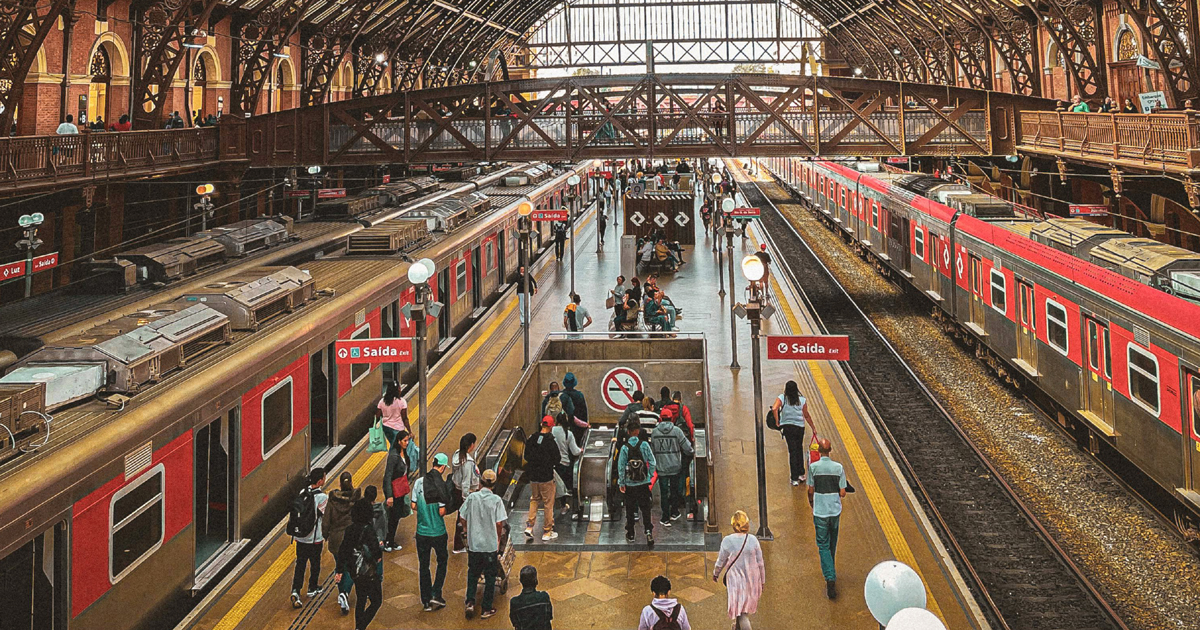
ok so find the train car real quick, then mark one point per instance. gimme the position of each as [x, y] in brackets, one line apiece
[148, 488]
[1107, 326]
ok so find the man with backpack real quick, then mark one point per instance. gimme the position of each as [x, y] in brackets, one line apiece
[431, 533]
[670, 447]
[663, 612]
[635, 470]
[304, 526]
[560, 239]
[360, 558]
[576, 316]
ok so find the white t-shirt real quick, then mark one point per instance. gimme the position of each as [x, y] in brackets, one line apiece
[67, 129]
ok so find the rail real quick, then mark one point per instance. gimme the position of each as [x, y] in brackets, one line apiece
[1167, 140]
[31, 161]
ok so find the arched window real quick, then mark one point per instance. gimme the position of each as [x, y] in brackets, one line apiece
[1127, 45]
[100, 69]
[199, 86]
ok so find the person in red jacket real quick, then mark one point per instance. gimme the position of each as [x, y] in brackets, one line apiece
[675, 409]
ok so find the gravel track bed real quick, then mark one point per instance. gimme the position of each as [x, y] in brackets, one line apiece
[1149, 575]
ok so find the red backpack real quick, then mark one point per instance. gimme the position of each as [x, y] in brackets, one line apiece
[667, 622]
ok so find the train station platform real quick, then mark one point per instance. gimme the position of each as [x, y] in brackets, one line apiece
[605, 584]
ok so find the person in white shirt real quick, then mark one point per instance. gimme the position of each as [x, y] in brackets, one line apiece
[67, 128]
[309, 546]
[663, 607]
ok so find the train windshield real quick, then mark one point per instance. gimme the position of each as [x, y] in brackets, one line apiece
[1186, 284]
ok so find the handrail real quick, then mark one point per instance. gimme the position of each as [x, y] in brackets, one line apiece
[29, 160]
[1164, 139]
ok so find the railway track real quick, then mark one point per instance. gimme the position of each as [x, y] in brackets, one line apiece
[1021, 576]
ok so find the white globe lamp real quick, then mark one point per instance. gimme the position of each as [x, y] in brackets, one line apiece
[892, 586]
[915, 619]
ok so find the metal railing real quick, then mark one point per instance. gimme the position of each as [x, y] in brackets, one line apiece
[1167, 139]
[26, 160]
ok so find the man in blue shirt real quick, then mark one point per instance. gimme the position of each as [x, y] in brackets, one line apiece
[484, 514]
[826, 487]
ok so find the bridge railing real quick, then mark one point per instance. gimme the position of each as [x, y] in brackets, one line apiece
[30, 160]
[1167, 139]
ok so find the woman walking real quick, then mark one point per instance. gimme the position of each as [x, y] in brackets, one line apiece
[393, 409]
[742, 560]
[337, 518]
[361, 559]
[791, 409]
[464, 477]
[401, 467]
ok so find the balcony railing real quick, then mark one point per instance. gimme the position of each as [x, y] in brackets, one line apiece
[1168, 140]
[29, 161]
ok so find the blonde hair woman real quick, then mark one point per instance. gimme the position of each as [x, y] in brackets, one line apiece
[742, 560]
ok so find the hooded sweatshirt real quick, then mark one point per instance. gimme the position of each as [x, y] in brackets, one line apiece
[623, 458]
[337, 515]
[572, 399]
[666, 605]
[669, 443]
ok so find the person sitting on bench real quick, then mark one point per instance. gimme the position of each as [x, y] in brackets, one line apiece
[655, 313]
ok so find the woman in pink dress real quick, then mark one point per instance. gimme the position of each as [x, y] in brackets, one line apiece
[393, 410]
[746, 573]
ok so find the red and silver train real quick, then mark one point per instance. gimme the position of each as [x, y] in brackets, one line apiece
[180, 432]
[1105, 324]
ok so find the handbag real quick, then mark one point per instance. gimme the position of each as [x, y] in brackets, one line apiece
[814, 449]
[560, 487]
[725, 575]
[610, 301]
[400, 486]
[772, 419]
[376, 441]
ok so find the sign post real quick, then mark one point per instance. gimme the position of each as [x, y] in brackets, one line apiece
[808, 347]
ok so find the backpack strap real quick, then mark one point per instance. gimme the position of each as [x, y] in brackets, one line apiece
[675, 612]
[662, 616]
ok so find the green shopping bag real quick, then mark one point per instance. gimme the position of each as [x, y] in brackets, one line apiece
[376, 442]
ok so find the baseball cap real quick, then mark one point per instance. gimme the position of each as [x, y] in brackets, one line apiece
[547, 421]
[489, 476]
[441, 460]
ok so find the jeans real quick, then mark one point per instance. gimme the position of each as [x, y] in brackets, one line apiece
[307, 553]
[390, 434]
[638, 498]
[565, 471]
[670, 493]
[670, 313]
[827, 536]
[521, 308]
[602, 227]
[368, 589]
[794, 436]
[559, 246]
[347, 582]
[487, 564]
[396, 512]
[431, 588]
[543, 496]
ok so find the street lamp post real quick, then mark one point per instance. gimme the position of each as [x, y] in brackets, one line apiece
[727, 207]
[573, 182]
[523, 228]
[419, 274]
[716, 181]
[756, 309]
[601, 200]
[29, 223]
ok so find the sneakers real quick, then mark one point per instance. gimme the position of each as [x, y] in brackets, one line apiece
[665, 522]
[458, 550]
[313, 593]
[550, 535]
[344, 603]
[438, 603]
[491, 612]
[650, 539]
[676, 516]
[390, 547]
[831, 589]
[628, 538]
[296, 603]
[528, 534]
[470, 610]
[803, 478]
[795, 482]
[428, 607]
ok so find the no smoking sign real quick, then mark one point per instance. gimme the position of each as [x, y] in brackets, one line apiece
[617, 387]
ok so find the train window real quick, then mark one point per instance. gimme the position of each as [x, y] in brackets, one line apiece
[491, 256]
[1143, 378]
[1107, 354]
[359, 371]
[1093, 345]
[919, 242]
[875, 215]
[460, 279]
[999, 292]
[276, 417]
[137, 521]
[1056, 326]
[1194, 389]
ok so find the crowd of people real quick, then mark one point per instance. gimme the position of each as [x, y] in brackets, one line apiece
[1109, 106]
[68, 127]
[657, 310]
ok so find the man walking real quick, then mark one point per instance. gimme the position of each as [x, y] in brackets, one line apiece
[670, 444]
[484, 515]
[560, 239]
[309, 545]
[635, 470]
[523, 292]
[576, 316]
[602, 218]
[826, 487]
[541, 455]
[431, 536]
[532, 609]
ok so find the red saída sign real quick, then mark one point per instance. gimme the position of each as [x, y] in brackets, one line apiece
[745, 212]
[809, 347]
[550, 215]
[44, 262]
[347, 351]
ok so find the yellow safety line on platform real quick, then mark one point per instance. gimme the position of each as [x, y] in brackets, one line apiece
[238, 613]
[870, 486]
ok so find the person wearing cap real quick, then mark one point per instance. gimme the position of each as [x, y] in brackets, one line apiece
[484, 517]
[766, 263]
[431, 536]
[541, 455]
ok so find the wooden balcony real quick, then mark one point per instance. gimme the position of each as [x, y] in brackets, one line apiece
[1167, 141]
[29, 163]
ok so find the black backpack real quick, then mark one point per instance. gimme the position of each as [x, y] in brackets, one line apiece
[302, 519]
[364, 561]
[636, 470]
[665, 621]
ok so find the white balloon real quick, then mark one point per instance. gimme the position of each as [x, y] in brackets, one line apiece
[892, 586]
[915, 619]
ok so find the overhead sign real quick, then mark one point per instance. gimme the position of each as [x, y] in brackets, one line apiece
[1082, 210]
[1150, 100]
[606, 174]
[47, 261]
[298, 194]
[745, 212]
[809, 347]
[12, 270]
[387, 179]
[617, 387]
[550, 215]
[331, 193]
[349, 351]
[897, 160]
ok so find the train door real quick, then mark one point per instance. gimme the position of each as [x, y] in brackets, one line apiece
[1026, 328]
[389, 319]
[444, 316]
[1191, 432]
[476, 279]
[215, 493]
[322, 400]
[899, 241]
[976, 279]
[1097, 386]
[501, 241]
[35, 582]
